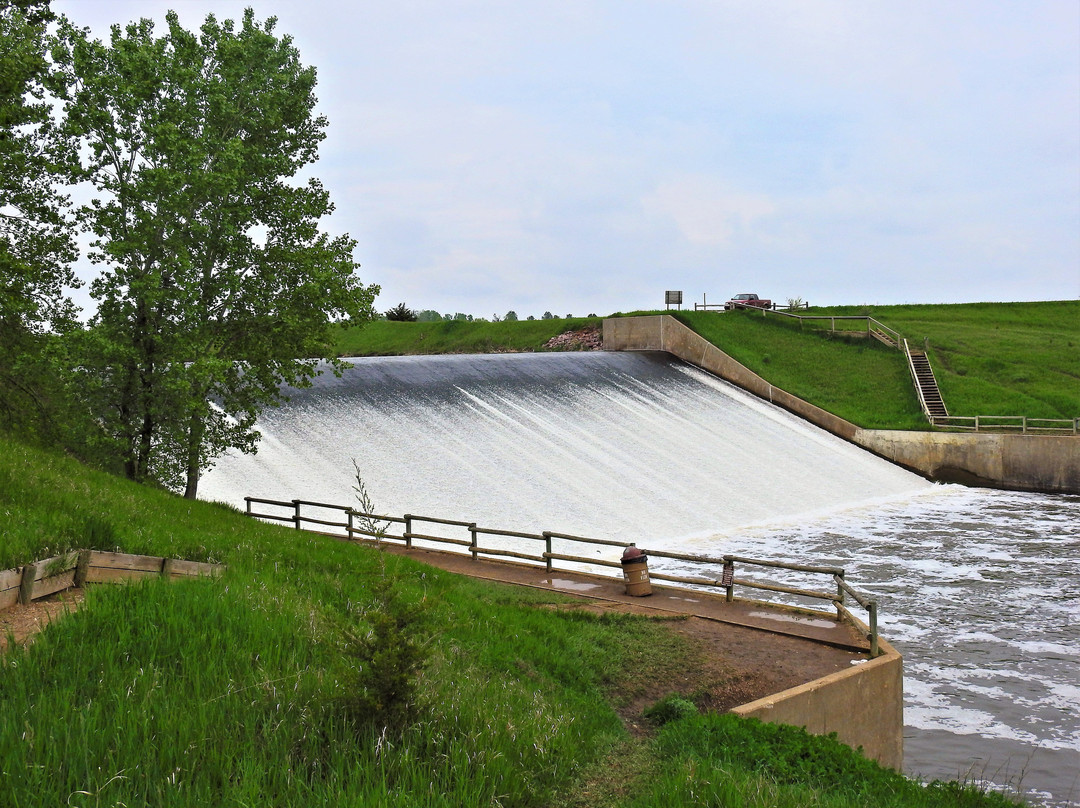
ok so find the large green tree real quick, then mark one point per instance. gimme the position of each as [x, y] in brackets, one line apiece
[218, 286]
[36, 240]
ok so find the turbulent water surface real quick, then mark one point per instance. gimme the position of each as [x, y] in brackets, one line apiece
[978, 589]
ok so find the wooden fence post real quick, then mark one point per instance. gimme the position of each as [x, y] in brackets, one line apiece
[472, 540]
[547, 552]
[296, 515]
[83, 567]
[872, 608]
[26, 585]
[728, 579]
[408, 530]
[839, 595]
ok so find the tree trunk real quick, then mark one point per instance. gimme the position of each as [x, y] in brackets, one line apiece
[195, 431]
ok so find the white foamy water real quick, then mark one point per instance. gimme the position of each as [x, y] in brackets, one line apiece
[978, 589]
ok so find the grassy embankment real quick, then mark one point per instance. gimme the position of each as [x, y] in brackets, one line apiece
[389, 338]
[995, 358]
[237, 691]
[989, 358]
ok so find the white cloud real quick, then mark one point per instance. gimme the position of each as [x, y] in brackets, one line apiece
[588, 154]
[703, 213]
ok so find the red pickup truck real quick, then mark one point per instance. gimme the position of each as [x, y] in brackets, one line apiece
[747, 300]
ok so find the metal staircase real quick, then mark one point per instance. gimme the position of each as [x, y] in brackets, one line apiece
[925, 384]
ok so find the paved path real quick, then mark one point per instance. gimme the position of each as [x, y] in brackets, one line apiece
[749, 614]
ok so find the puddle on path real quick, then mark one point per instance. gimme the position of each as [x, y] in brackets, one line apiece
[576, 586]
[805, 621]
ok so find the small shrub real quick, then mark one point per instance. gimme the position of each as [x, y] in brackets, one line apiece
[376, 527]
[670, 708]
[383, 687]
[401, 313]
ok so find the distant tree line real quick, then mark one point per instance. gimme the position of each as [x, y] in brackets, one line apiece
[216, 285]
[402, 313]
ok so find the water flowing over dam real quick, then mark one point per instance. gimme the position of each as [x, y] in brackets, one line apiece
[629, 445]
[978, 588]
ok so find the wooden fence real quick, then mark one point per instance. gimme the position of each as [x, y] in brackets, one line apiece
[42, 578]
[1009, 424]
[549, 547]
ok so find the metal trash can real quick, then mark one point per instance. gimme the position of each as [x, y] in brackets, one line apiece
[635, 570]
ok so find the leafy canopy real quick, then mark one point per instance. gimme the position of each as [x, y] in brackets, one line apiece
[36, 240]
[215, 273]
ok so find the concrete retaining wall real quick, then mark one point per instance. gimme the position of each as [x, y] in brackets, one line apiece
[1017, 462]
[864, 706]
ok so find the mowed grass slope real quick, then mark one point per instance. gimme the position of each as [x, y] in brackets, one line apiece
[237, 691]
[392, 338]
[995, 358]
[860, 380]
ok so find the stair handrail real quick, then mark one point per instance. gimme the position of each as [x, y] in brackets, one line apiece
[894, 334]
[918, 385]
[832, 318]
[915, 378]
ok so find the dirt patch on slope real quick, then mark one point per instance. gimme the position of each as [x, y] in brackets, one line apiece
[23, 623]
[728, 665]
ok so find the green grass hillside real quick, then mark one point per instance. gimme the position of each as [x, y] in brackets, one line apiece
[995, 358]
[392, 338]
[860, 380]
[989, 358]
[273, 685]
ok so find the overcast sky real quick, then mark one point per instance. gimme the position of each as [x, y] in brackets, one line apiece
[581, 156]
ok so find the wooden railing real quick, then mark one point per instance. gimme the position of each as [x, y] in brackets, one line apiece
[873, 327]
[1019, 424]
[708, 572]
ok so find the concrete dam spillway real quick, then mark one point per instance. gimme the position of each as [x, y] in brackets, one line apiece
[634, 446]
[978, 588]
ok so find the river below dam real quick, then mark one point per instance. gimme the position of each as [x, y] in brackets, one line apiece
[978, 589]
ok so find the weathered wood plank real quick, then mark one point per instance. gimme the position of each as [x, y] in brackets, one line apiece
[178, 568]
[10, 579]
[8, 598]
[55, 565]
[53, 584]
[99, 575]
[125, 561]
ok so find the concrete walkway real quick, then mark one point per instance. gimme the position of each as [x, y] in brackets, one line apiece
[821, 629]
